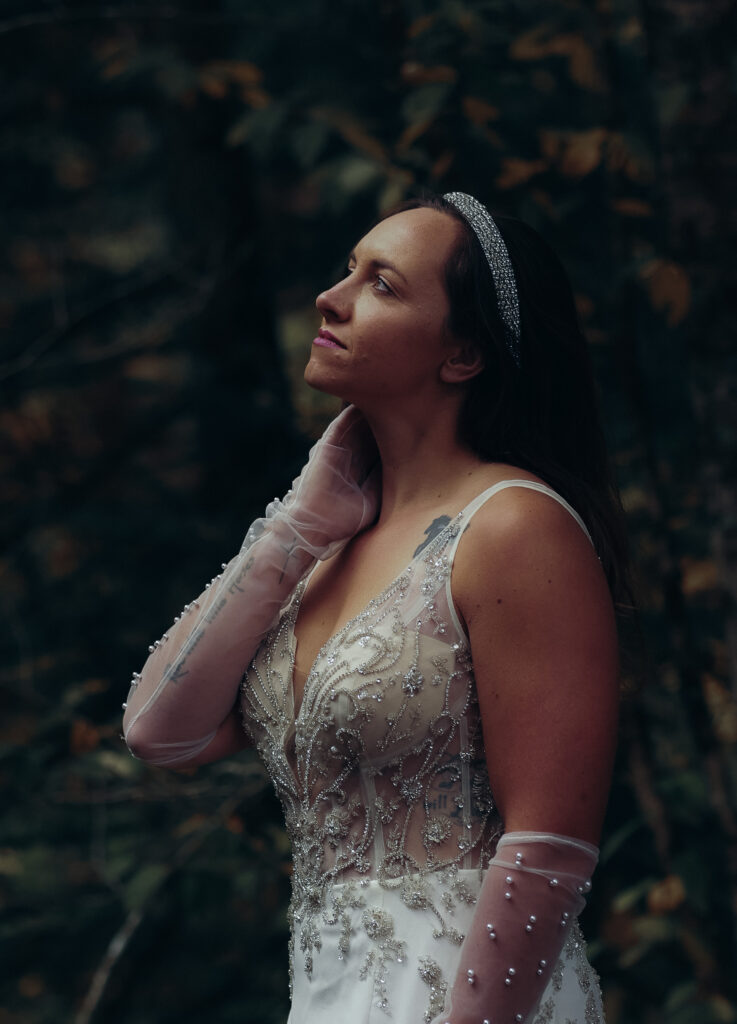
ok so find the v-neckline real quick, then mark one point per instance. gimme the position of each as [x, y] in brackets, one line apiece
[487, 492]
[354, 619]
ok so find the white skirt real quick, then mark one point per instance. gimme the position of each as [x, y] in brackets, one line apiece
[389, 964]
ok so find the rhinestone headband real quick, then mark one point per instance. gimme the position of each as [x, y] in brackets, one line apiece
[499, 262]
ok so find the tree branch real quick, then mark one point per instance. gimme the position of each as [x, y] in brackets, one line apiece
[121, 939]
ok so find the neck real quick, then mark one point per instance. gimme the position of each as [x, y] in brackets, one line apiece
[422, 461]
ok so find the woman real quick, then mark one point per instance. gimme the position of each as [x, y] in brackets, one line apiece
[436, 700]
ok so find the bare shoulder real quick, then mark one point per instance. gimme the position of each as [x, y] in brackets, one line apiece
[525, 550]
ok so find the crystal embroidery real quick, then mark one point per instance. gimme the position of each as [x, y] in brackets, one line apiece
[372, 769]
[432, 975]
[546, 1012]
[381, 775]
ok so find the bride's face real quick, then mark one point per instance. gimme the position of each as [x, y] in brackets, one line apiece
[383, 332]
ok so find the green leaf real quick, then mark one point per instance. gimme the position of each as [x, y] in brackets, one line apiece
[308, 141]
[426, 102]
[143, 884]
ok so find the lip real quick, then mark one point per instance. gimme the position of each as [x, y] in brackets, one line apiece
[327, 340]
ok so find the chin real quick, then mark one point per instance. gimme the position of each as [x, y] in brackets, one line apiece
[316, 377]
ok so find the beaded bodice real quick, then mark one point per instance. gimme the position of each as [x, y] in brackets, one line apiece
[381, 771]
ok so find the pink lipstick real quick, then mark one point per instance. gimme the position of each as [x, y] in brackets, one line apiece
[327, 340]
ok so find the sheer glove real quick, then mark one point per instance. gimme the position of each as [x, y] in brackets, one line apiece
[189, 684]
[534, 890]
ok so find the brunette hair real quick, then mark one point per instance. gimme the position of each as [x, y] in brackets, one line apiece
[542, 416]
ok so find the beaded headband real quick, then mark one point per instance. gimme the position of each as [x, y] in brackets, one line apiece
[499, 262]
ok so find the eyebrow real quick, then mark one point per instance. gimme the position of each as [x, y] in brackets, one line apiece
[381, 264]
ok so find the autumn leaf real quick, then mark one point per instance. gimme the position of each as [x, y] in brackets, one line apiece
[116, 67]
[584, 305]
[629, 156]
[213, 86]
[722, 706]
[420, 25]
[84, 736]
[531, 45]
[216, 78]
[255, 96]
[633, 208]
[537, 44]
[62, 552]
[669, 288]
[443, 164]
[698, 575]
[239, 72]
[666, 895]
[637, 499]
[516, 171]
[618, 929]
[544, 200]
[420, 74]
[479, 111]
[31, 986]
[192, 824]
[96, 685]
[32, 263]
[631, 30]
[74, 171]
[235, 824]
[575, 153]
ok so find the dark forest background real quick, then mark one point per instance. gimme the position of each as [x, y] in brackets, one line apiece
[178, 181]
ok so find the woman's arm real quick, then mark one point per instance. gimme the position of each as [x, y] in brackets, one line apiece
[180, 709]
[543, 639]
[544, 645]
[229, 739]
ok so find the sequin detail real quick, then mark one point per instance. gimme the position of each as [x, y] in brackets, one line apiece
[497, 257]
[546, 1012]
[381, 772]
[573, 963]
[432, 974]
[382, 777]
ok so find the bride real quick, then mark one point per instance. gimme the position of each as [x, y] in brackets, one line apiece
[419, 639]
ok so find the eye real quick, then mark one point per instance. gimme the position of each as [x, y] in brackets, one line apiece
[380, 284]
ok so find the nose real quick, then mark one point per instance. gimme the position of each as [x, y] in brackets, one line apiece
[333, 303]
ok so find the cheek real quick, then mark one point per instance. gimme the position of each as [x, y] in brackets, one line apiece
[380, 321]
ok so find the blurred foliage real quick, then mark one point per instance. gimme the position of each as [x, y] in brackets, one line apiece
[180, 180]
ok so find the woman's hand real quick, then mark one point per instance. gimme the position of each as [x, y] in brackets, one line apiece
[338, 492]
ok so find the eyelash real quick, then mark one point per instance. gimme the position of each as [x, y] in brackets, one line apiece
[386, 290]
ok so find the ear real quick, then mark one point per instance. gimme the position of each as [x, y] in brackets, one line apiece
[463, 363]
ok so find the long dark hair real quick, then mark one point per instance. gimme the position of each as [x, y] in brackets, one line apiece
[542, 416]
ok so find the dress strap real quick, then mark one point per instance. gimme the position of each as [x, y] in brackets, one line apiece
[482, 498]
[473, 507]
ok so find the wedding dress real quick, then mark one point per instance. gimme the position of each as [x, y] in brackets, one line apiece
[382, 775]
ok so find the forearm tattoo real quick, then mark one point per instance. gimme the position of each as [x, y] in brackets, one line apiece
[241, 573]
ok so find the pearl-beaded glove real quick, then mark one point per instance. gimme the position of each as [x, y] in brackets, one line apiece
[534, 889]
[189, 684]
